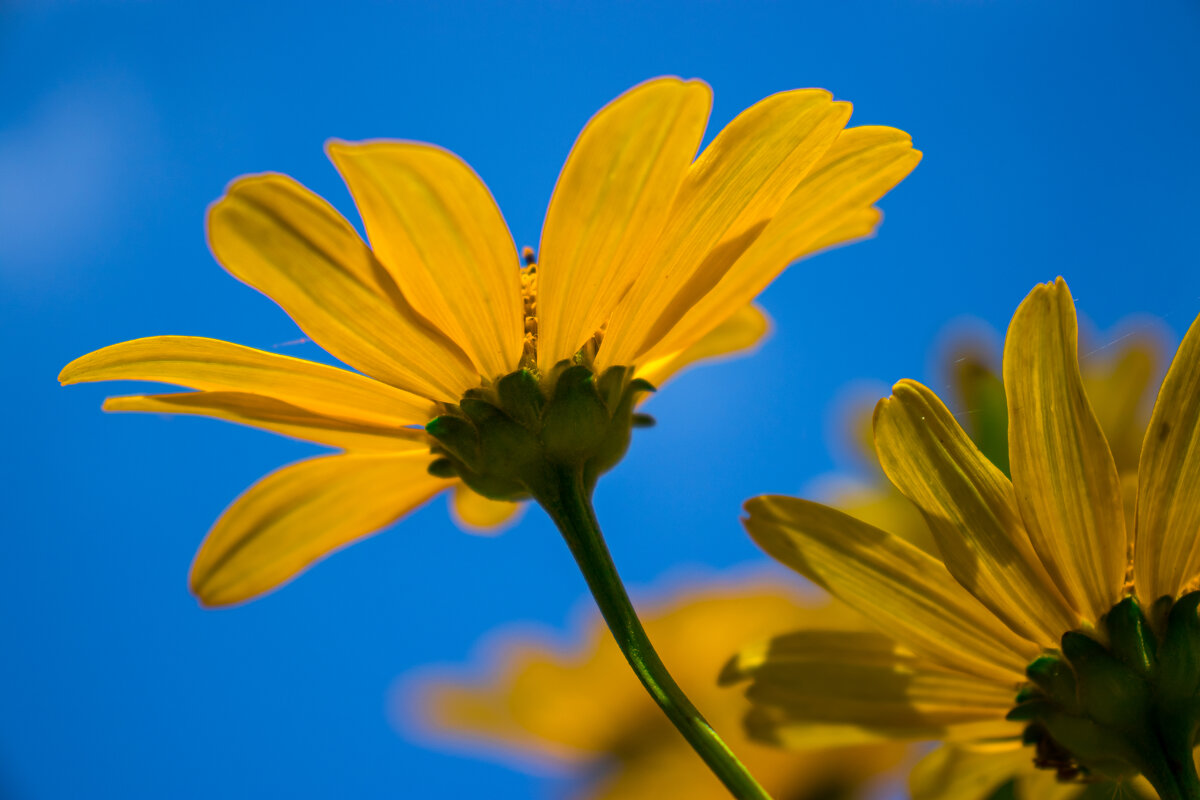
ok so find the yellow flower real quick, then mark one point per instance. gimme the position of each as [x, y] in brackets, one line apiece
[579, 706]
[649, 259]
[1022, 637]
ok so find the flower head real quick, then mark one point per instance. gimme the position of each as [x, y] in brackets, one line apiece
[1034, 616]
[580, 709]
[649, 259]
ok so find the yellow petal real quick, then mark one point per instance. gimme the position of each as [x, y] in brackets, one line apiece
[739, 333]
[475, 513]
[435, 227]
[899, 587]
[1062, 470]
[970, 508]
[831, 206]
[302, 513]
[214, 365]
[278, 417]
[864, 678]
[958, 772]
[805, 735]
[1167, 550]
[729, 195]
[610, 204]
[291, 245]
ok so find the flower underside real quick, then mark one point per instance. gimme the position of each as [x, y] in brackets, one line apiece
[502, 438]
[1101, 711]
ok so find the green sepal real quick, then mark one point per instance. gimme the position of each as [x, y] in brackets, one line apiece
[493, 486]
[1028, 693]
[610, 385]
[1092, 744]
[505, 438]
[576, 419]
[1130, 636]
[643, 421]
[1111, 693]
[1159, 612]
[1030, 710]
[521, 397]
[1056, 678]
[442, 468]
[620, 431]
[457, 436]
[1179, 655]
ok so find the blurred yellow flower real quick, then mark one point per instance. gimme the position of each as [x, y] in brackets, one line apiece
[579, 706]
[649, 259]
[1018, 635]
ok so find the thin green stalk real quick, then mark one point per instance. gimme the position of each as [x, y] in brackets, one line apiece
[569, 504]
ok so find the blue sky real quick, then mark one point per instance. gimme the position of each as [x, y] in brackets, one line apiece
[1057, 141]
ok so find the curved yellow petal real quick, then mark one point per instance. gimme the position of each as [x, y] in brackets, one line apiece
[610, 203]
[740, 332]
[285, 241]
[214, 365]
[1062, 470]
[864, 678]
[899, 587]
[969, 772]
[970, 508]
[302, 513]
[831, 206]
[1167, 546]
[727, 198]
[278, 417]
[435, 227]
[475, 513]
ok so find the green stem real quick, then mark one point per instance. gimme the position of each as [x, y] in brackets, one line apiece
[568, 503]
[1172, 778]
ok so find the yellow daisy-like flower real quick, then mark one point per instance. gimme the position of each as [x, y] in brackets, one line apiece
[1046, 629]
[649, 259]
[579, 707]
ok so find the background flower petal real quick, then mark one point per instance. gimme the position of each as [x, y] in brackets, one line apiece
[740, 333]
[475, 513]
[970, 772]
